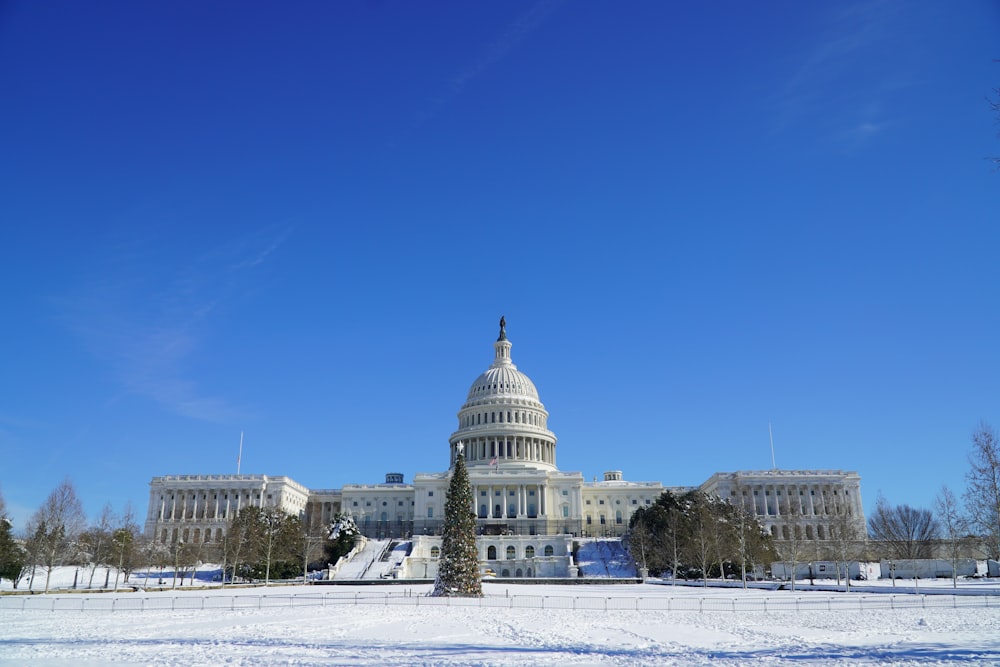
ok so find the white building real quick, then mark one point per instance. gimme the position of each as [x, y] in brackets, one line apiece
[520, 493]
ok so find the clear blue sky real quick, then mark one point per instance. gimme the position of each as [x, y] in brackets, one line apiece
[303, 221]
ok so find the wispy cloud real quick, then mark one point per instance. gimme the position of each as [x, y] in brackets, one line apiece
[146, 315]
[837, 85]
[515, 33]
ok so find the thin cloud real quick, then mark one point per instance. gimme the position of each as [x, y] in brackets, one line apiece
[515, 33]
[832, 85]
[148, 327]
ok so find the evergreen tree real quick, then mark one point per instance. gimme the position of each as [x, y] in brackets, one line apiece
[458, 568]
[12, 555]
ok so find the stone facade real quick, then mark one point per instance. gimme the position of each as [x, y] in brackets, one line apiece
[520, 492]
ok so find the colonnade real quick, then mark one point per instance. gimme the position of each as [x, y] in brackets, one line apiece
[507, 448]
[522, 504]
[819, 500]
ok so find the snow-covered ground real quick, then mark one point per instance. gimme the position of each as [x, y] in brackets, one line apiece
[395, 625]
[604, 558]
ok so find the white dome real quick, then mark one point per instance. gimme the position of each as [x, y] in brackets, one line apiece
[503, 422]
[502, 380]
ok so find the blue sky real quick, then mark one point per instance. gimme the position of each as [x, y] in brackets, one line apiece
[303, 220]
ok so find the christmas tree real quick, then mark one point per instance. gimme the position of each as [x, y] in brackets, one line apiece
[458, 568]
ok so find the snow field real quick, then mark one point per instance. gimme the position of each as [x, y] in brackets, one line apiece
[368, 633]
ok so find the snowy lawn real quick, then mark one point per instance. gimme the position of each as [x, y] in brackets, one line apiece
[402, 633]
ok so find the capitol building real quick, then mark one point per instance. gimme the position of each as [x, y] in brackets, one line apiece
[528, 510]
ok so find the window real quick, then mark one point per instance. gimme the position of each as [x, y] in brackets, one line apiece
[430, 512]
[548, 550]
[491, 553]
[588, 502]
[482, 493]
[435, 552]
[532, 492]
[600, 502]
[510, 553]
[565, 511]
[565, 492]
[603, 520]
[529, 551]
[635, 502]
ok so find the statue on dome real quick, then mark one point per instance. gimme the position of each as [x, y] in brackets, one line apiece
[503, 329]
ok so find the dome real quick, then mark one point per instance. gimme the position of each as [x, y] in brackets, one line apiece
[502, 380]
[503, 422]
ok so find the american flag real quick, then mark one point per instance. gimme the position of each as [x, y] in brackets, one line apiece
[494, 461]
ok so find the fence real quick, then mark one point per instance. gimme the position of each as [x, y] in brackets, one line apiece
[164, 602]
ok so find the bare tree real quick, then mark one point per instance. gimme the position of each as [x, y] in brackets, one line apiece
[123, 544]
[56, 526]
[982, 491]
[94, 542]
[791, 543]
[846, 540]
[902, 531]
[700, 540]
[954, 528]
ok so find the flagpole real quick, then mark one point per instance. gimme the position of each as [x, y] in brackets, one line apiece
[239, 458]
[771, 436]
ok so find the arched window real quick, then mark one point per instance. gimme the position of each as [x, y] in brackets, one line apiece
[505, 572]
[528, 573]
[482, 511]
[809, 532]
[435, 552]
[820, 532]
[518, 573]
[784, 532]
[774, 531]
[510, 553]
[529, 551]
[491, 553]
[197, 534]
[548, 550]
[385, 516]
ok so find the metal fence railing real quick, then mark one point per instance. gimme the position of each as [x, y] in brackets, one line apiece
[167, 602]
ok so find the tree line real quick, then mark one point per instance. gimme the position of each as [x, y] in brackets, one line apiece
[260, 544]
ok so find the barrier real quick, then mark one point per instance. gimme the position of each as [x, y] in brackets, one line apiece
[165, 602]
